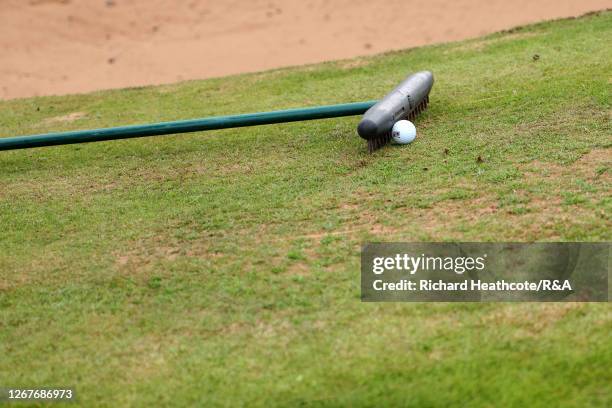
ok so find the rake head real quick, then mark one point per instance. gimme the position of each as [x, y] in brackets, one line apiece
[406, 101]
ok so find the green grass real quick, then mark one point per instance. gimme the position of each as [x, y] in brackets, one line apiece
[222, 268]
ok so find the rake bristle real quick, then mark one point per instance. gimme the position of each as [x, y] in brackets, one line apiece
[377, 143]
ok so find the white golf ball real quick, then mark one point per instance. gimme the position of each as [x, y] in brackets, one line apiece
[403, 132]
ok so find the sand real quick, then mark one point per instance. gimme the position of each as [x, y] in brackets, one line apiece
[55, 47]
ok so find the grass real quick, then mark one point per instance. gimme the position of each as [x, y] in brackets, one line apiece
[222, 268]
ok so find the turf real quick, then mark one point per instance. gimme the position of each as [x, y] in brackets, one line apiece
[222, 268]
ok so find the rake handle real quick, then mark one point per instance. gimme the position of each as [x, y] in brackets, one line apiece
[185, 126]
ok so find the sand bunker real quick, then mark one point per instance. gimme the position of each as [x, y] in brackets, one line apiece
[51, 47]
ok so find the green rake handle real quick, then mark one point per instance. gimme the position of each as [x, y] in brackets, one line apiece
[184, 126]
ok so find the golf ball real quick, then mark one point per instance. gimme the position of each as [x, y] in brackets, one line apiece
[403, 132]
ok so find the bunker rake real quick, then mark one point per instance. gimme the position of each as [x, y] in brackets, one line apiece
[407, 100]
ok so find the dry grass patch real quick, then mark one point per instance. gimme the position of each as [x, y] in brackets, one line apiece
[70, 117]
[529, 319]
